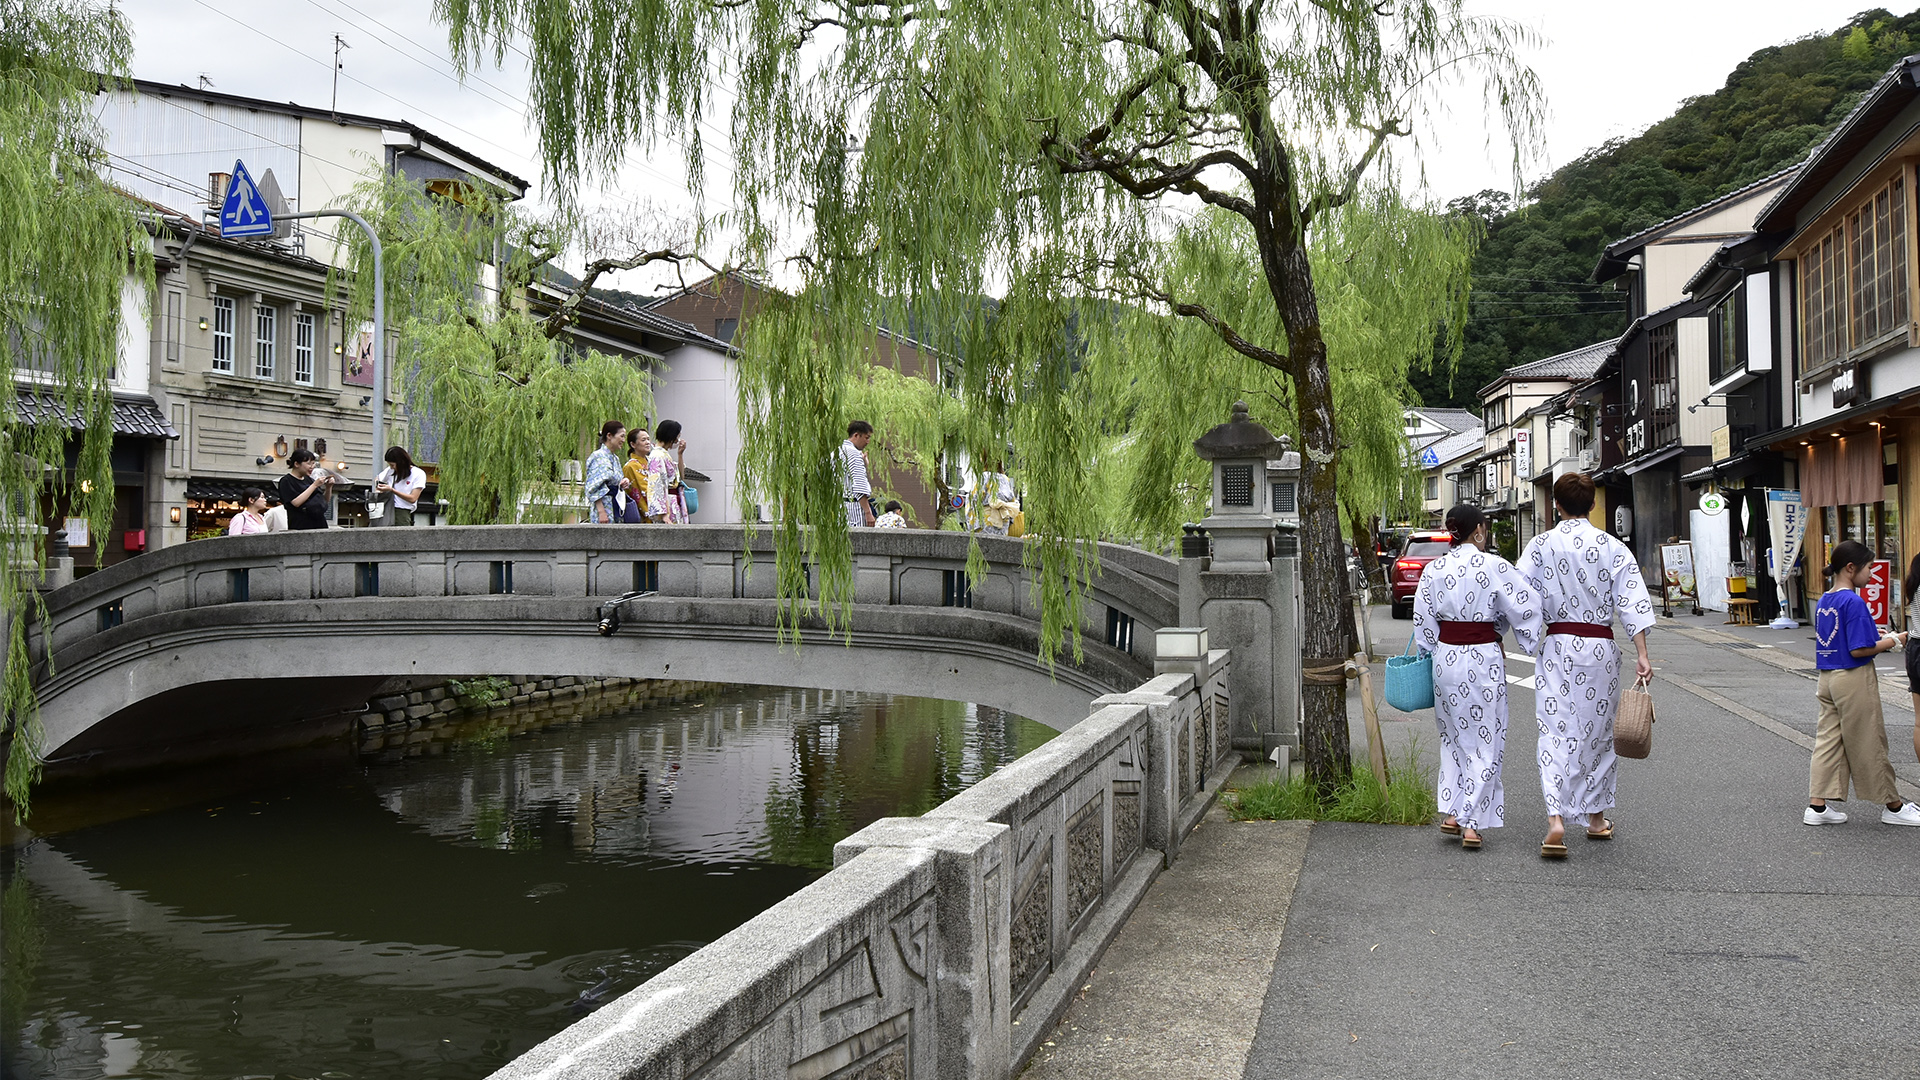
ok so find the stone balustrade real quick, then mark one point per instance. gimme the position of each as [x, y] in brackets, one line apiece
[944, 946]
[340, 610]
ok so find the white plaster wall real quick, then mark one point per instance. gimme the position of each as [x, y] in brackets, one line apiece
[1696, 428]
[333, 158]
[698, 387]
[133, 363]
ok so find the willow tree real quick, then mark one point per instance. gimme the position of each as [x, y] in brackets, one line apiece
[496, 371]
[1041, 152]
[68, 245]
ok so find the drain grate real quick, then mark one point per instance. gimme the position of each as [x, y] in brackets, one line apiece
[1742, 645]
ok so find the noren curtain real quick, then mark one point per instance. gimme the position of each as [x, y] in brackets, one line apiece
[1842, 472]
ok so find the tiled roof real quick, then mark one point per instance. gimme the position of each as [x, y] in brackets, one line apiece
[1456, 446]
[133, 414]
[1451, 419]
[1574, 364]
[1578, 363]
[1614, 251]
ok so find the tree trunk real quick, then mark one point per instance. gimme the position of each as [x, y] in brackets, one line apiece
[1326, 636]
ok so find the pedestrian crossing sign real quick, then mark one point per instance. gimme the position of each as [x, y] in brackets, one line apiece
[244, 213]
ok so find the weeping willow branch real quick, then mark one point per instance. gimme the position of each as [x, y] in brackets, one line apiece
[69, 247]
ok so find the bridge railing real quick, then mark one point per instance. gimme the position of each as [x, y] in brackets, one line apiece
[1134, 594]
[946, 945]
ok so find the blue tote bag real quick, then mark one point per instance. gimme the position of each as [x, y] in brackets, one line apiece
[1410, 680]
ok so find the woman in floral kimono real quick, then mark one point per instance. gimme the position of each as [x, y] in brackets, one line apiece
[1585, 577]
[603, 479]
[1466, 599]
[664, 502]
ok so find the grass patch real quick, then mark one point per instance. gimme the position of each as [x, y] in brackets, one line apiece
[1406, 800]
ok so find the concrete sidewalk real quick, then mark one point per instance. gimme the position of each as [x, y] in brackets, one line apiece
[1715, 936]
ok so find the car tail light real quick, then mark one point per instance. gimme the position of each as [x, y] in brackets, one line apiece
[1409, 568]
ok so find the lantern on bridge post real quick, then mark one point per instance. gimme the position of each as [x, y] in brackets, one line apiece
[1242, 520]
[1243, 594]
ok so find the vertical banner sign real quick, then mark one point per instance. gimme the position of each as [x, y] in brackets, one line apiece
[1878, 593]
[1522, 457]
[1787, 521]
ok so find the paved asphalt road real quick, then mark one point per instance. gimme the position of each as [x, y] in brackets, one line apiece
[1716, 936]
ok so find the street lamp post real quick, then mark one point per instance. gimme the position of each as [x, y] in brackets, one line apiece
[379, 330]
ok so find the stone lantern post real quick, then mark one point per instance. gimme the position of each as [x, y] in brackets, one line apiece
[1242, 590]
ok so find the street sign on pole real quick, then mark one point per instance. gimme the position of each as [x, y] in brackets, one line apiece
[244, 213]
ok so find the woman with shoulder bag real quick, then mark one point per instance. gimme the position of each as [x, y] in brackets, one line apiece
[1585, 578]
[401, 482]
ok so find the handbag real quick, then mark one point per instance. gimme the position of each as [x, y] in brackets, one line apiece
[1633, 721]
[377, 510]
[1410, 679]
[692, 498]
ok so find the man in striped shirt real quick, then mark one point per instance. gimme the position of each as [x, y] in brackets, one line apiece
[854, 486]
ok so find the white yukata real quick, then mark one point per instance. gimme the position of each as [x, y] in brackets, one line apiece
[1470, 681]
[1582, 575]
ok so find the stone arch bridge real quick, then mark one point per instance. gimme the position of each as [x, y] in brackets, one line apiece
[208, 639]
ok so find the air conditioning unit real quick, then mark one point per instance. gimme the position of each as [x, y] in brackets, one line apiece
[1586, 460]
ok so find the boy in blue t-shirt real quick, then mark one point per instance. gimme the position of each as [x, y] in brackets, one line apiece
[1851, 740]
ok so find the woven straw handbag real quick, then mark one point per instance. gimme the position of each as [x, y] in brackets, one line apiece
[1633, 724]
[1410, 680]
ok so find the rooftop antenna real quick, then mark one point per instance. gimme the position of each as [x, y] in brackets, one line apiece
[338, 44]
[206, 81]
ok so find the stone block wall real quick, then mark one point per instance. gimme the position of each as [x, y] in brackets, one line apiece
[399, 716]
[944, 946]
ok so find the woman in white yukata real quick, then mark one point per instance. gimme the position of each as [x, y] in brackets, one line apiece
[1466, 599]
[1584, 577]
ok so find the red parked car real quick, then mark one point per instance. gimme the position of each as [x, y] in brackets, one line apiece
[1422, 548]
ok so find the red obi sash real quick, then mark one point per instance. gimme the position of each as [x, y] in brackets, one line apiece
[1468, 633]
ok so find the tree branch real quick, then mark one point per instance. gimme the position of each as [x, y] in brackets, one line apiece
[1326, 200]
[568, 311]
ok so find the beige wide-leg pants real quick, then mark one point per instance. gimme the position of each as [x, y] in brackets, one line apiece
[1851, 740]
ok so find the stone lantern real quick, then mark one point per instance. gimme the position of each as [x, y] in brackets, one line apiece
[1283, 478]
[1242, 520]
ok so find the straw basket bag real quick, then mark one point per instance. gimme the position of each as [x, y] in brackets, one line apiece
[1633, 723]
[1410, 680]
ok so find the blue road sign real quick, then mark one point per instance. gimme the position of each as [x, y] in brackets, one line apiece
[1428, 458]
[244, 213]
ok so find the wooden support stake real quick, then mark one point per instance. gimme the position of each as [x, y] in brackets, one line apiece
[1376, 746]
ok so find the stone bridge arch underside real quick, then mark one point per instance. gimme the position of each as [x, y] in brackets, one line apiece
[234, 637]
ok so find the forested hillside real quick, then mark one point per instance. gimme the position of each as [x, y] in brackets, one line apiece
[1532, 294]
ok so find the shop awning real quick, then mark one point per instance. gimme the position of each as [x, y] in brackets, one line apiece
[133, 414]
[1635, 468]
[1826, 426]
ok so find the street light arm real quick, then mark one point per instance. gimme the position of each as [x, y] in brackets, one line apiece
[379, 331]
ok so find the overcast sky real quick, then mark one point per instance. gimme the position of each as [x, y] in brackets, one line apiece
[1609, 69]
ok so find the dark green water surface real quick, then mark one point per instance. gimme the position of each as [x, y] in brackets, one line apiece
[436, 909]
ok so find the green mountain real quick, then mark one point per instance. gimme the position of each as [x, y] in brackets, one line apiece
[1532, 294]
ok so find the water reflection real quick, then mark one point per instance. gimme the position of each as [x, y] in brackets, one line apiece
[435, 911]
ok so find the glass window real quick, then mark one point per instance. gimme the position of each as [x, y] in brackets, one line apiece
[1433, 488]
[1725, 342]
[1877, 259]
[303, 349]
[173, 325]
[1820, 271]
[266, 321]
[222, 333]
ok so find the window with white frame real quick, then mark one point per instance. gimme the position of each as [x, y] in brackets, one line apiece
[222, 333]
[266, 321]
[303, 349]
[1433, 489]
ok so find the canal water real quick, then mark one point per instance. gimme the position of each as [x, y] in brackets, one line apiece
[434, 909]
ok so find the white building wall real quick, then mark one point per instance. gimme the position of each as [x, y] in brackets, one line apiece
[133, 362]
[1696, 428]
[333, 158]
[699, 387]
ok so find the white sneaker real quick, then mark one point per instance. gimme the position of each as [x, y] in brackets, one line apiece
[1906, 815]
[1830, 816]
